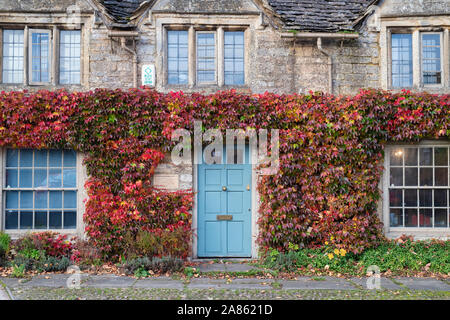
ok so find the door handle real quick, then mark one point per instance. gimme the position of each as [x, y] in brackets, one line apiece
[248, 187]
[224, 188]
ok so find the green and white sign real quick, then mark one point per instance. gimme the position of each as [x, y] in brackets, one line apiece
[148, 75]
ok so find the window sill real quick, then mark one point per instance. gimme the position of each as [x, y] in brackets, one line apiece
[205, 86]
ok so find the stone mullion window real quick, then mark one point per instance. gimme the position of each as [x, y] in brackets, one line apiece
[215, 56]
[416, 57]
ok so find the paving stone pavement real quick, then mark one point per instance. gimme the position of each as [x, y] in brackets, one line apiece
[3, 294]
[301, 283]
[226, 267]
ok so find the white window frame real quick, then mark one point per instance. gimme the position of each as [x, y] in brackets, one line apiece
[441, 38]
[417, 232]
[81, 177]
[50, 56]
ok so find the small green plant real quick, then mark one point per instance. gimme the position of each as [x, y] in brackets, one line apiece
[190, 272]
[18, 271]
[141, 273]
[34, 254]
[5, 241]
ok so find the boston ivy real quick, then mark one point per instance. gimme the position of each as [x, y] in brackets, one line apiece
[331, 154]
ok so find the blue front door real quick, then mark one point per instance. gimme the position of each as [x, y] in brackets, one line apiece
[224, 210]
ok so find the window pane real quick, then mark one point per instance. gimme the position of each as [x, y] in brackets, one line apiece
[26, 219]
[12, 199]
[26, 199]
[55, 200]
[396, 157]
[426, 156]
[40, 57]
[411, 198]
[70, 219]
[12, 56]
[25, 178]
[41, 199]
[12, 158]
[411, 156]
[12, 176]
[426, 177]
[70, 159]
[40, 158]
[440, 198]
[402, 75]
[431, 58]
[395, 198]
[441, 157]
[411, 177]
[234, 58]
[11, 220]
[396, 177]
[441, 177]
[40, 178]
[26, 158]
[70, 178]
[411, 218]
[40, 220]
[55, 178]
[55, 220]
[70, 56]
[70, 199]
[440, 218]
[177, 62]
[206, 57]
[396, 218]
[426, 218]
[55, 158]
[426, 198]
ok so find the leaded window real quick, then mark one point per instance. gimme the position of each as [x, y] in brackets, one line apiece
[69, 57]
[12, 63]
[206, 57]
[402, 62]
[177, 51]
[234, 58]
[431, 58]
[40, 56]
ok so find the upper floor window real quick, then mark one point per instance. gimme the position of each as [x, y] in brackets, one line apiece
[69, 57]
[405, 71]
[206, 57]
[40, 56]
[12, 61]
[402, 63]
[217, 57]
[177, 49]
[234, 58]
[40, 45]
[431, 58]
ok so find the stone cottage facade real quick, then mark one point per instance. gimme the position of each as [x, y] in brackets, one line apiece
[280, 46]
